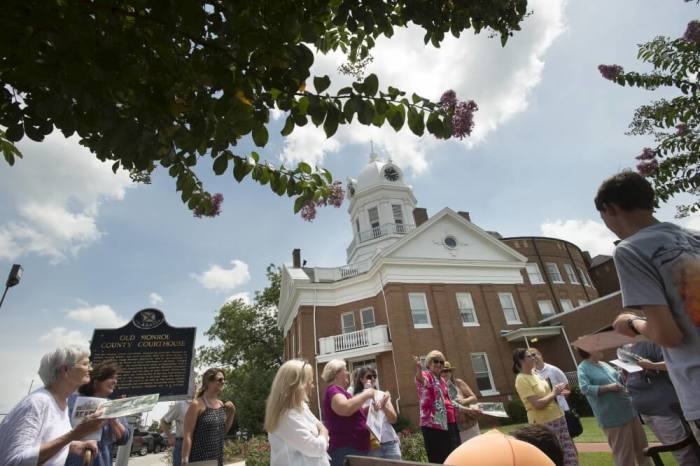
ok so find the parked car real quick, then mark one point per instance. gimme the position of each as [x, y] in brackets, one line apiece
[160, 442]
[143, 443]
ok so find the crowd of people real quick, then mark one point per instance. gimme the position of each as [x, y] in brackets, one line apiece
[658, 266]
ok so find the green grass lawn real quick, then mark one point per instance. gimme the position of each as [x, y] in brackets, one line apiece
[594, 434]
[605, 459]
[591, 432]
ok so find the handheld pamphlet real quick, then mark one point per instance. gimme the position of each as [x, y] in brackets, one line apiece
[491, 409]
[86, 406]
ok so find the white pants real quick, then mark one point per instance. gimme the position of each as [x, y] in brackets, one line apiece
[470, 433]
[670, 429]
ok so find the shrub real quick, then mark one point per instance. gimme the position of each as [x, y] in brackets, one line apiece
[402, 423]
[234, 450]
[516, 412]
[412, 448]
[257, 451]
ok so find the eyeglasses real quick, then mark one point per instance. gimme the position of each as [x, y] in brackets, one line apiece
[370, 377]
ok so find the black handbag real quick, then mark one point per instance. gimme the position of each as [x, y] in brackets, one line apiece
[573, 422]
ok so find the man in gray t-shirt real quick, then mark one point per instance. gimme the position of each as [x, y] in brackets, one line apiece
[658, 265]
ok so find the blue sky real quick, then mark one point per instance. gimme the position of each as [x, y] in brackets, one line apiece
[96, 249]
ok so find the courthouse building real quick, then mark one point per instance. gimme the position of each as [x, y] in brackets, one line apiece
[414, 283]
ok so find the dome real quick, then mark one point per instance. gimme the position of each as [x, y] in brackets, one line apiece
[376, 173]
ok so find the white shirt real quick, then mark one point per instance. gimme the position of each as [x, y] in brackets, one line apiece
[176, 412]
[555, 376]
[296, 441]
[36, 420]
[388, 432]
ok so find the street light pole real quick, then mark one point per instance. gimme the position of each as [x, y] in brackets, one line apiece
[12, 280]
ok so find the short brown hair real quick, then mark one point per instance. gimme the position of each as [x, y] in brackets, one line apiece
[627, 190]
[103, 371]
[543, 438]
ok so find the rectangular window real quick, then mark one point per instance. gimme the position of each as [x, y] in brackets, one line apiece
[533, 273]
[546, 308]
[509, 309]
[419, 310]
[367, 316]
[398, 213]
[581, 302]
[584, 277]
[553, 272]
[348, 322]
[482, 373]
[571, 275]
[374, 222]
[566, 304]
[466, 310]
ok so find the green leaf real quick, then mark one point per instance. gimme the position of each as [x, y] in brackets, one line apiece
[281, 185]
[397, 117]
[260, 135]
[304, 167]
[327, 175]
[365, 115]
[330, 126]
[288, 126]
[321, 83]
[415, 122]
[241, 168]
[220, 164]
[371, 85]
[299, 203]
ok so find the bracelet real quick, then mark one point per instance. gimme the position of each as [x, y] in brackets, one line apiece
[630, 324]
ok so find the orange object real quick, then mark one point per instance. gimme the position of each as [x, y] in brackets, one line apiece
[497, 449]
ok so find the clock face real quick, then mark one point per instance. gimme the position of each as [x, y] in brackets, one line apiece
[391, 174]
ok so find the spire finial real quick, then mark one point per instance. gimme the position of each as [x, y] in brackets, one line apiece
[372, 155]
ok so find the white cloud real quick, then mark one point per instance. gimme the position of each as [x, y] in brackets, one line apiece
[589, 235]
[155, 299]
[61, 336]
[56, 191]
[243, 296]
[218, 278]
[499, 79]
[100, 316]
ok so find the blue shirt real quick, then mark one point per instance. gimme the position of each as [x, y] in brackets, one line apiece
[611, 409]
[104, 446]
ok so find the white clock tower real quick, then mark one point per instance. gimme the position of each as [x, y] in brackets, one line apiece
[381, 208]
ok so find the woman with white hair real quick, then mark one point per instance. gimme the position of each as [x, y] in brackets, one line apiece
[296, 437]
[343, 414]
[37, 431]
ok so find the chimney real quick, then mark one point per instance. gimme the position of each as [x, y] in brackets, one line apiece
[587, 258]
[420, 216]
[296, 258]
[465, 215]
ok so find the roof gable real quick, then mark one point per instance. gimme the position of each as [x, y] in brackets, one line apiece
[471, 243]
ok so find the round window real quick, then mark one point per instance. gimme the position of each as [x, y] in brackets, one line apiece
[450, 242]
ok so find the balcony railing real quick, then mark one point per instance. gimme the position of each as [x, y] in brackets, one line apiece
[365, 338]
[379, 231]
[333, 274]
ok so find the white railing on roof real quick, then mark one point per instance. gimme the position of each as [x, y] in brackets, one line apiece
[333, 274]
[379, 231]
[365, 338]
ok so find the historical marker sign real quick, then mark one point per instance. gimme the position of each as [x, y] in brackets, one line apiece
[154, 357]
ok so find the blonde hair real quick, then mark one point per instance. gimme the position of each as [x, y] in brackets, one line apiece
[434, 354]
[332, 368]
[208, 377]
[288, 391]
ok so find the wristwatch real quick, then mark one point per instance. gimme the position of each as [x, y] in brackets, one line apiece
[630, 324]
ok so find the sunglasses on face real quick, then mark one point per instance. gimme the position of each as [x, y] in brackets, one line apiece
[438, 361]
[370, 377]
